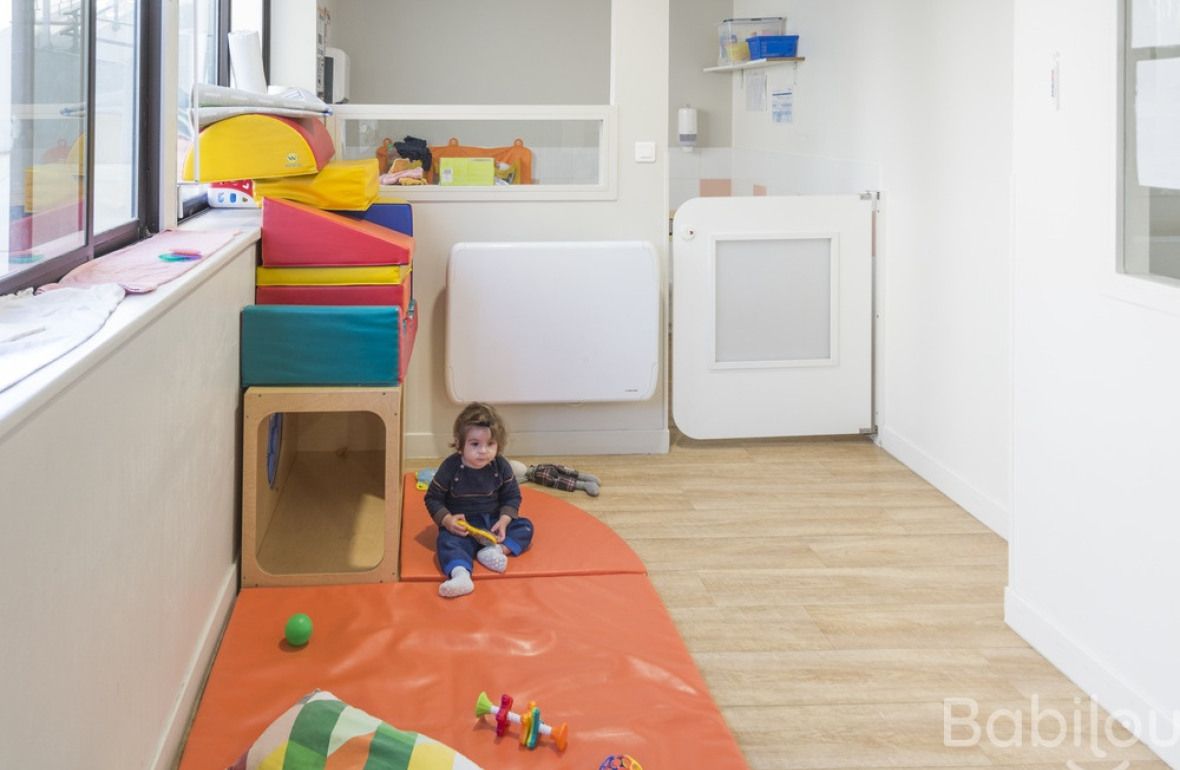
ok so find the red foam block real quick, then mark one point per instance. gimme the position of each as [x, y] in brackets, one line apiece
[295, 234]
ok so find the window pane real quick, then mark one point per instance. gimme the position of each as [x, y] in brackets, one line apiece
[561, 152]
[116, 124]
[42, 132]
[1151, 161]
[197, 63]
[774, 300]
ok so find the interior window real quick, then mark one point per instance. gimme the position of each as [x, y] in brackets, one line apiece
[1151, 154]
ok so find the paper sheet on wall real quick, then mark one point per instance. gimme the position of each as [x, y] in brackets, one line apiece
[756, 92]
[1155, 23]
[782, 106]
[1157, 122]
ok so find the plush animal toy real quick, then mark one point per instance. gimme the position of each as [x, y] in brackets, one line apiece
[557, 476]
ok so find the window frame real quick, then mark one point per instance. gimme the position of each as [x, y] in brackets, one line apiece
[147, 180]
[1146, 290]
[199, 204]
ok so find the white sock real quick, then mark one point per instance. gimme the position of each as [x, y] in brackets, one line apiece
[493, 557]
[459, 585]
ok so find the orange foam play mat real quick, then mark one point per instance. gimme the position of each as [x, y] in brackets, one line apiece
[566, 541]
[598, 652]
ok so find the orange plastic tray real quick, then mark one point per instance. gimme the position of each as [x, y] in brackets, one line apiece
[567, 541]
[598, 652]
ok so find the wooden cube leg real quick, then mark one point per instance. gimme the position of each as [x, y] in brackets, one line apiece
[333, 512]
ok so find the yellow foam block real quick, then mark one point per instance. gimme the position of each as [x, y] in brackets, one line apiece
[343, 185]
[48, 185]
[331, 276]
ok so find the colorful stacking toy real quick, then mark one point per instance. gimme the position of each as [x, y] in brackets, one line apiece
[531, 726]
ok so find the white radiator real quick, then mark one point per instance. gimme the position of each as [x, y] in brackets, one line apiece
[552, 322]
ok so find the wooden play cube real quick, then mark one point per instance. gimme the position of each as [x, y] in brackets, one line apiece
[321, 494]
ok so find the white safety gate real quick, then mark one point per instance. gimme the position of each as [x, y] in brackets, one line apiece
[772, 316]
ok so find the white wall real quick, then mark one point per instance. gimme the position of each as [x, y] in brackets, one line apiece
[923, 89]
[638, 213]
[1095, 534]
[292, 44]
[692, 41]
[475, 52]
[118, 538]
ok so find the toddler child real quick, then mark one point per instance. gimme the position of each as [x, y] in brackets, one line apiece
[476, 485]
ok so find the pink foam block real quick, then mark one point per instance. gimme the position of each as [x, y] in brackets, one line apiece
[295, 234]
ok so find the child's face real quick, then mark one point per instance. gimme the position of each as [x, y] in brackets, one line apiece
[479, 448]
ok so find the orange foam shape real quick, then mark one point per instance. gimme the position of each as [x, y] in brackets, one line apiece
[566, 541]
[296, 234]
[597, 652]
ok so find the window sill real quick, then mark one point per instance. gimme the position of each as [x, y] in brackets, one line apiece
[133, 314]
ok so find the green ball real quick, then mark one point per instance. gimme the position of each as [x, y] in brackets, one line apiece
[298, 630]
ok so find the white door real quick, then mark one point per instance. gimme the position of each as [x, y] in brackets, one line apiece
[772, 302]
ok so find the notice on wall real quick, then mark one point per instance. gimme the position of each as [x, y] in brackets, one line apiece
[782, 106]
[1155, 23]
[756, 92]
[1157, 122]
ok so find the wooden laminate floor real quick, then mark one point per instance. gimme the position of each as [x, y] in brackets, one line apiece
[835, 601]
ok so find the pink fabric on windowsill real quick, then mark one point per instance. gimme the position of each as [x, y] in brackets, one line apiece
[138, 268]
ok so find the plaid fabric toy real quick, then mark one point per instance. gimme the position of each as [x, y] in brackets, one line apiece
[562, 477]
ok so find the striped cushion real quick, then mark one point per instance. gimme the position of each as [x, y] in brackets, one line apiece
[321, 732]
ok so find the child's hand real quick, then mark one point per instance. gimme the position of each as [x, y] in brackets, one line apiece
[500, 528]
[451, 521]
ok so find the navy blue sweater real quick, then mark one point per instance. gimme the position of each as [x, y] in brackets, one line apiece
[459, 489]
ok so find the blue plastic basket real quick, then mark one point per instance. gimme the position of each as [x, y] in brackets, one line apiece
[773, 46]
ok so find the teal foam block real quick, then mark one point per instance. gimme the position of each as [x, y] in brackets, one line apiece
[320, 345]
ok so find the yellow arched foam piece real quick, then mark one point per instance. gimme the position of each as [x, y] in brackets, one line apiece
[259, 146]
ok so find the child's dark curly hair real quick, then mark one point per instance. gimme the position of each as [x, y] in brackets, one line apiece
[479, 415]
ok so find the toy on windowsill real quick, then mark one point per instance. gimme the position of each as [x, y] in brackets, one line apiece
[557, 476]
[531, 726]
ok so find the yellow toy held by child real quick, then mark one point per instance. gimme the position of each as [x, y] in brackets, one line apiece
[477, 532]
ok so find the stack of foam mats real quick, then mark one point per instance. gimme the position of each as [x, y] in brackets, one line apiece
[589, 641]
[334, 298]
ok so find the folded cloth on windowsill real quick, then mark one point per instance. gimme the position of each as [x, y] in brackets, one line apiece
[36, 329]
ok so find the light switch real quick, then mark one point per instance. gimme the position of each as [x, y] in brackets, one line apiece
[645, 152]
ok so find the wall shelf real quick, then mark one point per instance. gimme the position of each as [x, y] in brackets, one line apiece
[755, 64]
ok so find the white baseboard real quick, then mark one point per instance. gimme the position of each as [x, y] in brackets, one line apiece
[1105, 687]
[168, 750]
[991, 513]
[587, 442]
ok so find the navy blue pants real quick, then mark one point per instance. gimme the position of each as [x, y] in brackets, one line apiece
[459, 550]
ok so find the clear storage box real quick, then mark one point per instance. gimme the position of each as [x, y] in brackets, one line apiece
[732, 35]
